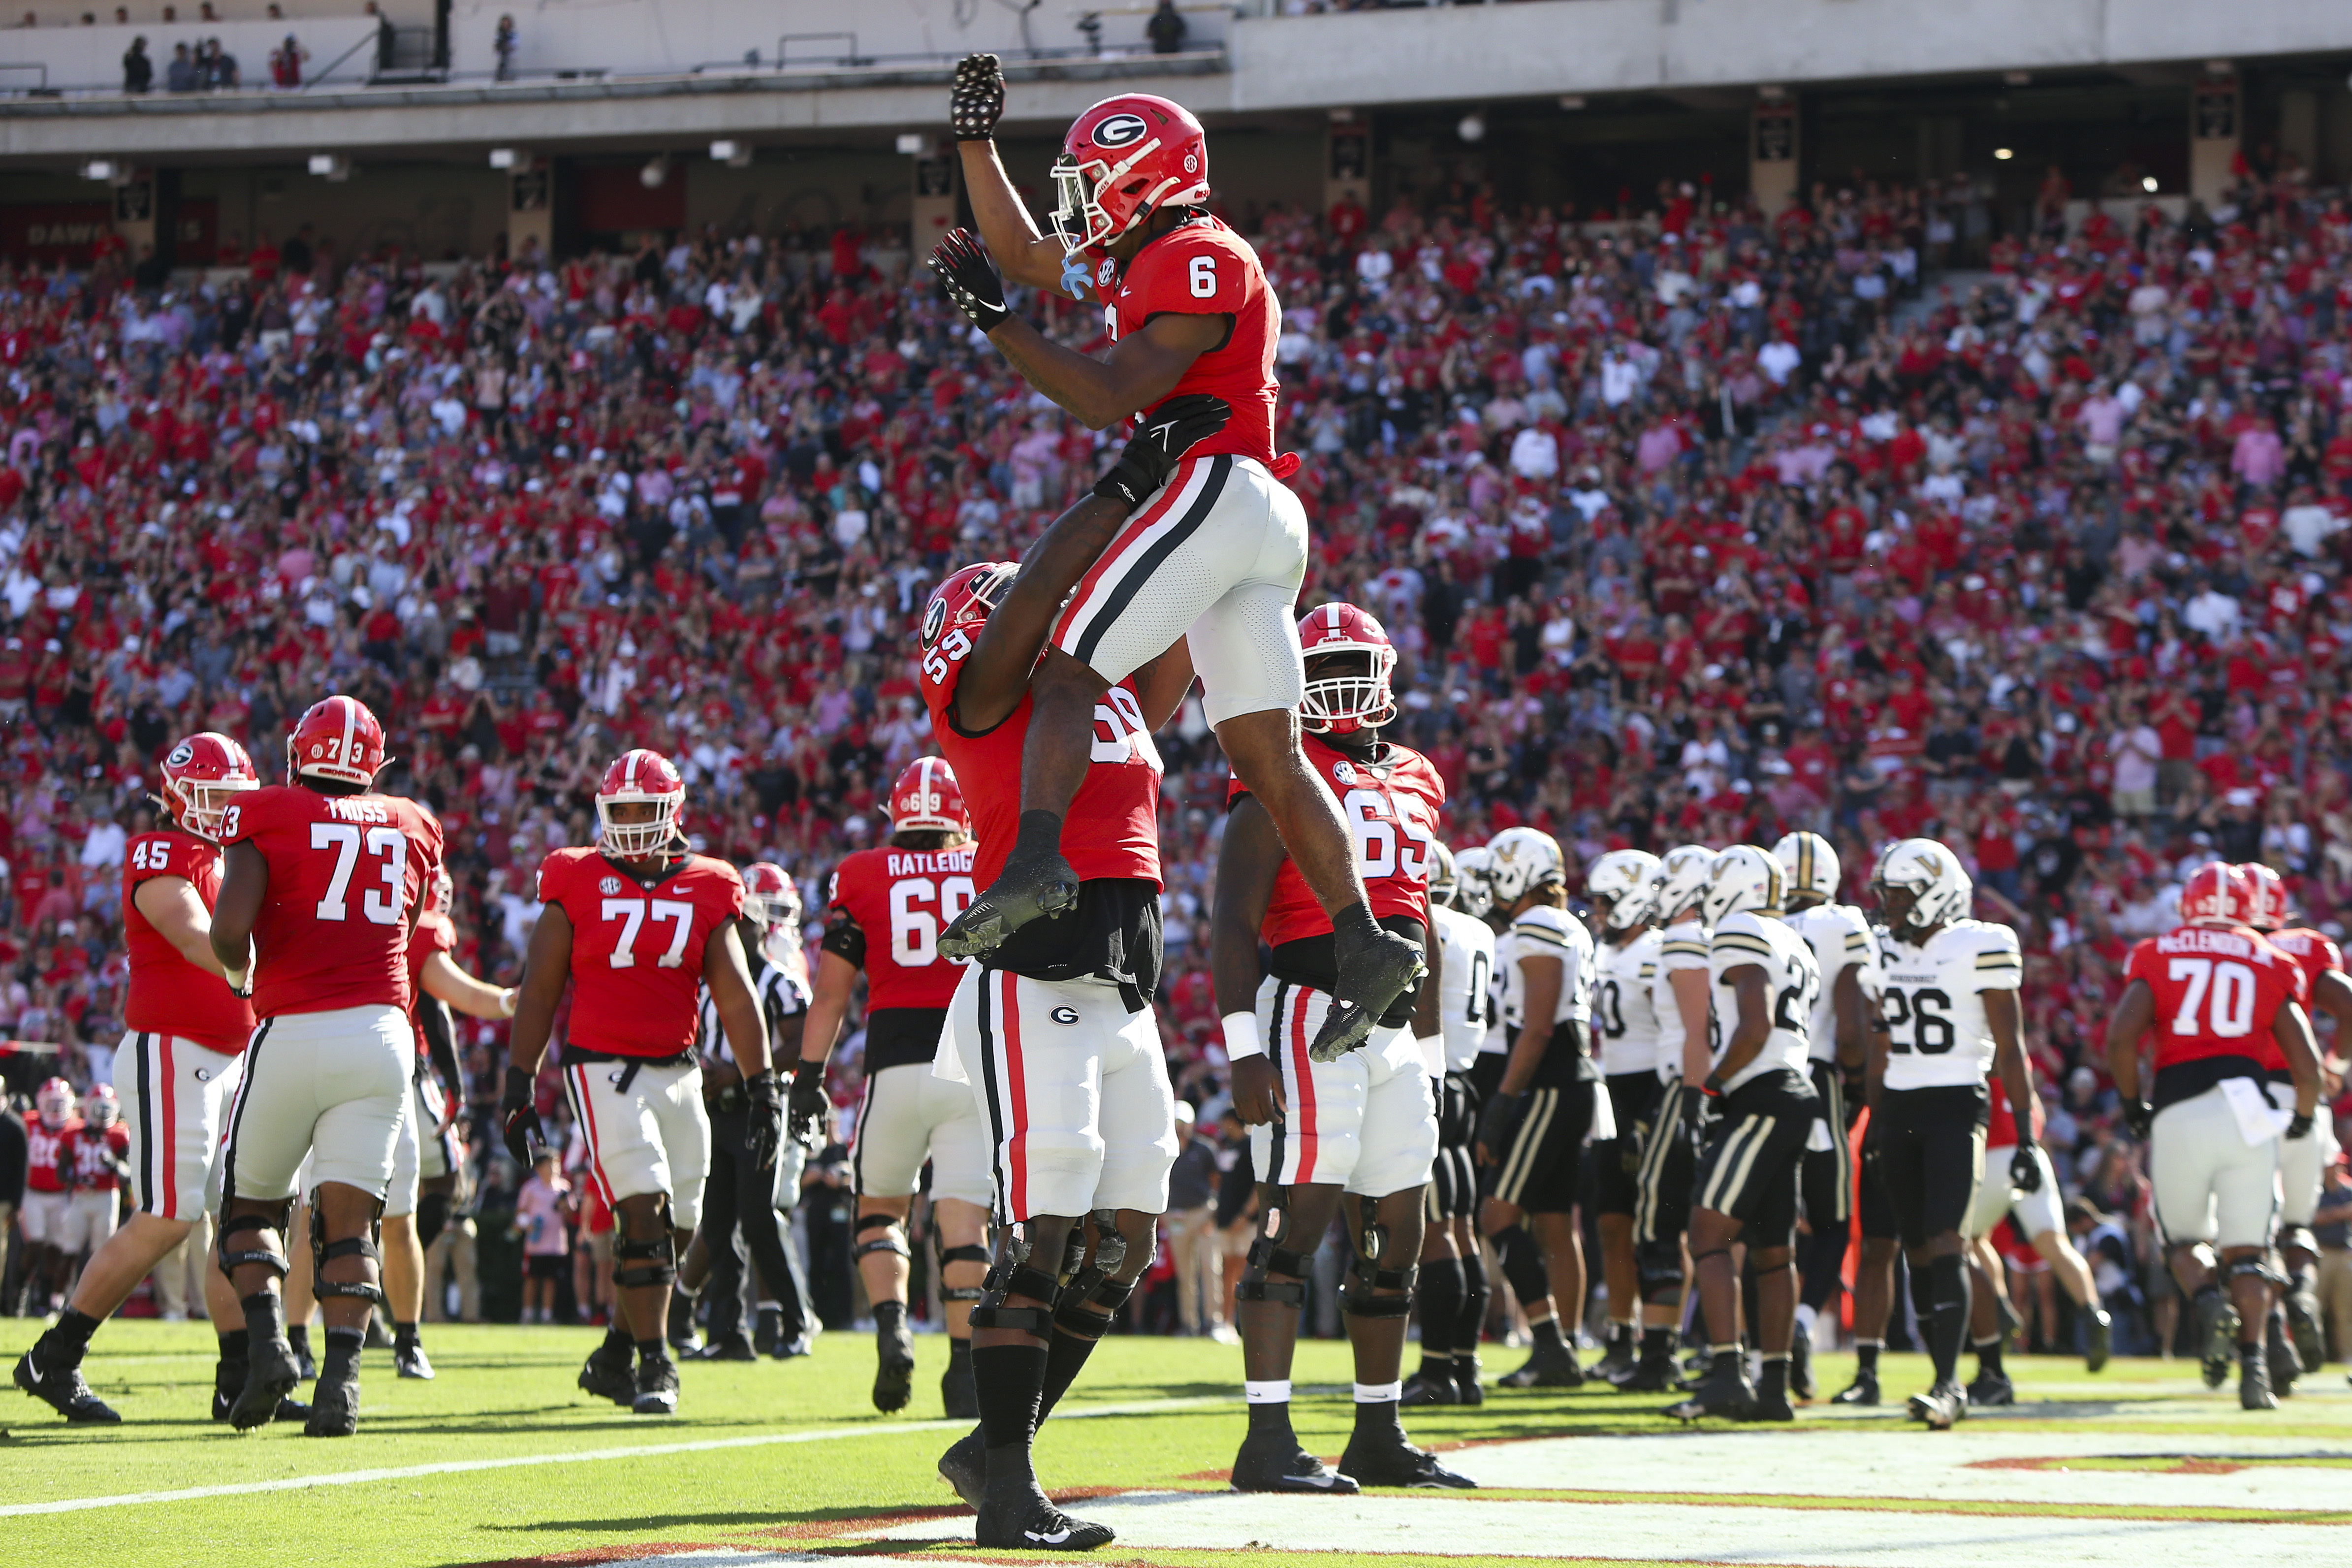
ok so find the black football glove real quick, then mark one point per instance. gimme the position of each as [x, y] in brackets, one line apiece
[1161, 437]
[2024, 1170]
[976, 101]
[763, 1121]
[968, 279]
[1499, 1121]
[519, 1114]
[1690, 1115]
[2299, 1126]
[806, 1111]
[2139, 1115]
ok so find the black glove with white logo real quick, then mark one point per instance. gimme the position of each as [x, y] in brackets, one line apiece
[2024, 1170]
[976, 101]
[968, 279]
[763, 1120]
[805, 1111]
[2139, 1117]
[519, 1114]
[1162, 438]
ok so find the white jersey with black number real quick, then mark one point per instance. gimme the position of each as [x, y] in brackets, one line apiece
[1543, 931]
[1839, 937]
[1627, 1028]
[1933, 1002]
[1680, 947]
[1791, 982]
[781, 996]
[1465, 980]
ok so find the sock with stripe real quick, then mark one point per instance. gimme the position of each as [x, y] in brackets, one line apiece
[1866, 1356]
[1375, 1408]
[1269, 1408]
[1547, 1333]
[1987, 1356]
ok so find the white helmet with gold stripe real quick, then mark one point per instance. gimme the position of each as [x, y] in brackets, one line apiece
[1745, 878]
[1810, 864]
[1623, 877]
[1682, 878]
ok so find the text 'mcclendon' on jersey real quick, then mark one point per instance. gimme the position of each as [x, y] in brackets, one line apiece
[2217, 992]
[1392, 803]
[637, 946]
[345, 872]
[1932, 1002]
[1839, 937]
[170, 996]
[1791, 982]
[1627, 1028]
[1464, 983]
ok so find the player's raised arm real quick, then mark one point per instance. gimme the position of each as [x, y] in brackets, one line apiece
[975, 103]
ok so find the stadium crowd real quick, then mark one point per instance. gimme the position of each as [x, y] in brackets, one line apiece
[1693, 526]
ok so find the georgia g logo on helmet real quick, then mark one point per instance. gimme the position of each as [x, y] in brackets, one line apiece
[935, 615]
[181, 754]
[1119, 130]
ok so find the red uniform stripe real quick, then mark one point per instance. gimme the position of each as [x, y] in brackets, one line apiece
[166, 1152]
[1016, 1157]
[1303, 1091]
[596, 1154]
[1168, 496]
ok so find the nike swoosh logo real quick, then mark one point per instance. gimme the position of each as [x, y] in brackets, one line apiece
[1055, 1539]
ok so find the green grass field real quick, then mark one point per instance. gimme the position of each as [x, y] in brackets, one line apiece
[804, 1453]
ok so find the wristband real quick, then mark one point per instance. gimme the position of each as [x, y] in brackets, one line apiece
[239, 980]
[1241, 1037]
[507, 1002]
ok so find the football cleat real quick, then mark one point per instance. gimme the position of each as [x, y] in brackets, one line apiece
[1651, 1375]
[1013, 1515]
[306, 1363]
[1801, 1364]
[1467, 1388]
[409, 1361]
[2302, 1327]
[1770, 1406]
[1370, 976]
[1390, 1460]
[1030, 887]
[965, 1468]
[2217, 1336]
[1616, 1364]
[957, 1393]
[2286, 1364]
[2098, 1339]
[1993, 1388]
[680, 1326]
[655, 1389]
[894, 1373]
[609, 1377]
[1420, 1389]
[1863, 1390]
[1941, 1407]
[768, 1334]
[728, 1347]
[1724, 1391]
[63, 1390]
[1275, 1463]
[334, 1408]
[2255, 1383]
[1552, 1366]
[379, 1337]
[269, 1377]
[288, 1409]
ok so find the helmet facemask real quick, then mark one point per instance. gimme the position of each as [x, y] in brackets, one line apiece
[1348, 690]
[1078, 218]
[637, 838]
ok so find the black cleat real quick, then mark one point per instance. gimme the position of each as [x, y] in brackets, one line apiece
[1724, 1391]
[1801, 1364]
[288, 1409]
[2098, 1339]
[1390, 1460]
[1370, 975]
[409, 1361]
[379, 1337]
[1467, 1389]
[680, 1327]
[1553, 1365]
[1275, 1463]
[1771, 1405]
[2303, 1326]
[1651, 1375]
[1992, 1389]
[894, 1371]
[798, 1345]
[1030, 887]
[768, 1333]
[1013, 1515]
[63, 1390]
[2217, 1337]
[334, 1408]
[2255, 1382]
[1615, 1365]
[306, 1363]
[268, 1379]
[728, 1347]
[1863, 1390]
[1942, 1407]
[2285, 1364]
[965, 1468]
[1423, 1389]
[957, 1393]
[655, 1388]
[609, 1377]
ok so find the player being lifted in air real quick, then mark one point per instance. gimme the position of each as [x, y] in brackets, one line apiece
[1360, 1132]
[1215, 559]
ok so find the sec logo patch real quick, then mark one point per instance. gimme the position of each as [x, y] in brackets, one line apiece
[1344, 771]
[1064, 1015]
[609, 886]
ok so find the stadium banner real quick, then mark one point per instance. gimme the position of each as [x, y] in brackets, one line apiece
[50, 231]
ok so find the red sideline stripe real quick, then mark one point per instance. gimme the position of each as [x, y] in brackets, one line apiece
[1304, 1070]
[1016, 1155]
[166, 1151]
[596, 1145]
[1143, 521]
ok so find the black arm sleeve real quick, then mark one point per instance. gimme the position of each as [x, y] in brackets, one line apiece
[846, 938]
[440, 1043]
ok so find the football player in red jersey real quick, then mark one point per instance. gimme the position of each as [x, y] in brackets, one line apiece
[634, 924]
[888, 904]
[96, 1162]
[324, 881]
[2302, 1163]
[1216, 556]
[175, 1073]
[1363, 1128]
[425, 1165]
[2211, 991]
[48, 1195]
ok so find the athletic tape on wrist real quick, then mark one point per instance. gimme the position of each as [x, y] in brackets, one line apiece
[1241, 1037]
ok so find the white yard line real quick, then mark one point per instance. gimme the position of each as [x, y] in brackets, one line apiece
[576, 1457]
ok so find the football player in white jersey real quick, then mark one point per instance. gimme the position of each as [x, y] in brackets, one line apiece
[1765, 983]
[1531, 1130]
[1669, 1154]
[1629, 1033]
[1839, 935]
[1948, 1013]
[1451, 1295]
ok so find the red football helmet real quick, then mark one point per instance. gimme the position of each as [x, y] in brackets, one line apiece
[926, 798]
[640, 777]
[55, 1100]
[769, 898]
[961, 605]
[1124, 160]
[2266, 908]
[338, 739]
[442, 896]
[102, 1108]
[200, 775]
[2216, 894]
[1341, 703]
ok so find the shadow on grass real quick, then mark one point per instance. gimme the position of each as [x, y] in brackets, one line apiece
[781, 1518]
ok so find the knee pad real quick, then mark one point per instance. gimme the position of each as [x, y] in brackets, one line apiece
[1268, 1257]
[892, 1239]
[2258, 1267]
[432, 1217]
[1081, 1277]
[1523, 1264]
[1660, 1269]
[959, 1255]
[2298, 1238]
[1011, 1276]
[1359, 1294]
[323, 1252]
[1088, 1314]
[645, 1260]
[239, 1225]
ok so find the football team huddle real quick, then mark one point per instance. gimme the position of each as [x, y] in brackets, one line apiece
[1430, 1048]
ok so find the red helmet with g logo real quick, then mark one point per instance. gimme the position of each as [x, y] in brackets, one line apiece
[1346, 699]
[338, 739]
[640, 778]
[200, 775]
[958, 608]
[2216, 894]
[926, 798]
[1124, 160]
[2266, 910]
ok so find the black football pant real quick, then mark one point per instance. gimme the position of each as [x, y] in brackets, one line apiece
[740, 1197]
